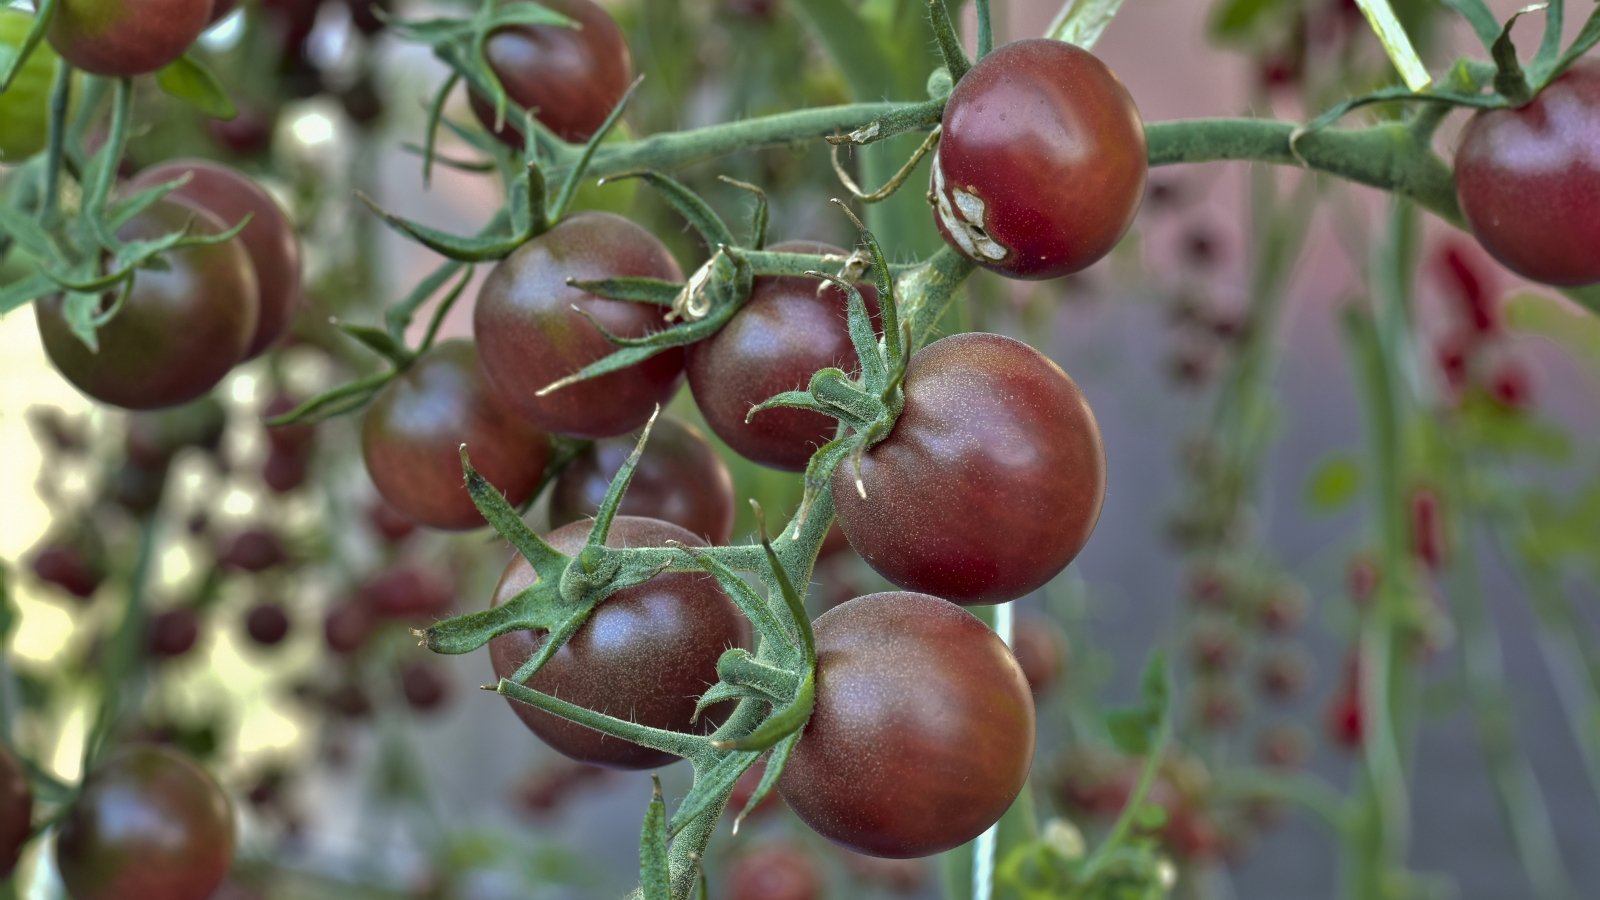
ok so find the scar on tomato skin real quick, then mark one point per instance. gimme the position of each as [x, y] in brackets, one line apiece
[964, 221]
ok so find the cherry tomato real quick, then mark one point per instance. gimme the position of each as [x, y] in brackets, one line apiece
[173, 633]
[1529, 181]
[267, 624]
[774, 872]
[179, 331]
[529, 334]
[990, 482]
[923, 729]
[569, 78]
[424, 686]
[411, 437]
[788, 330]
[1041, 649]
[1041, 165]
[123, 38]
[645, 654]
[149, 823]
[679, 479]
[269, 238]
[16, 810]
[25, 105]
[406, 592]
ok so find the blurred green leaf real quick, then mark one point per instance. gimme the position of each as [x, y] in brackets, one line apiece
[190, 81]
[1236, 21]
[1334, 483]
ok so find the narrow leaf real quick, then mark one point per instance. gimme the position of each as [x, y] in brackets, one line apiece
[655, 874]
[190, 81]
[12, 58]
[1081, 22]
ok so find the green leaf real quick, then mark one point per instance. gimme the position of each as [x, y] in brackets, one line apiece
[655, 874]
[24, 291]
[1334, 483]
[190, 81]
[1133, 729]
[1561, 322]
[12, 58]
[1237, 21]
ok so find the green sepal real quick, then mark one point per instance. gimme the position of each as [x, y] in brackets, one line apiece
[378, 341]
[674, 742]
[655, 872]
[574, 177]
[630, 289]
[345, 398]
[769, 778]
[694, 209]
[25, 291]
[712, 785]
[478, 248]
[948, 41]
[187, 79]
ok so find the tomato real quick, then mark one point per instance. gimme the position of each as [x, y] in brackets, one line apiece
[25, 105]
[270, 238]
[774, 872]
[923, 729]
[1529, 181]
[69, 568]
[529, 335]
[406, 592]
[16, 810]
[788, 330]
[990, 482]
[411, 437]
[255, 549]
[123, 38]
[679, 479]
[569, 78]
[173, 633]
[424, 686]
[645, 654]
[149, 823]
[347, 627]
[267, 624]
[179, 331]
[1041, 650]
[1041, 165]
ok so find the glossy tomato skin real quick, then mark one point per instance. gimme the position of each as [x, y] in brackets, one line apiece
[1529, 181]
[783, 335]
[1041, 165]
[177, 334]
[25, 105]
[269, 238]
[124, 38]
[149, 823]
[411, 437]
[569, 78]
[529, 335]
[646, 653]
[16, 810]
[679, 479]
[990, 482]
[923, 730]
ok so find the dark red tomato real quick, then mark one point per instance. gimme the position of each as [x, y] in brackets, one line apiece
[774, 872]
[529, 335]
[646, 653]
[270, 238]
[922, 733]
[1041, 166]
[179, 331]
[267, 624]
[569, 78]
[123, 38]
[16, 810]
[1529, 181]
[173, 633]
[220, 10]
[149, 823]
[1041, 650]
[68, 568]
[390, 524]
[411, 437]
[788, 330]
[407, 592]
[424, 686]
[254, 549]
[990, 482]
[679, 479]
[347, 627]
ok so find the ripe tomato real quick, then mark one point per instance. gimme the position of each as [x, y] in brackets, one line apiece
[679, 479]
[788, 330]
[529, 335]
[774, 872]
[16, 810]
[149, 823]
[411, 437]
[569, 78]
[990, 482]
[25, 105]
[645, 654]
[270, 238]
[1529, 181]
[179, 331]
[922, 733]
[1041, 166]
[123, 38]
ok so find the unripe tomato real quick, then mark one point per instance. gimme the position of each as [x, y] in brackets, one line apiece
[123, 38]
[179, 331]
[25, 105]
[530, 336]
[1529, 180]
[411, 437]
[149, 823]
[645, 654]
[1041, 166]
[990, 482]
[787, 330]
[569, 78]
[270, 238]
[923, 729]
[679, 479]
[16, 810]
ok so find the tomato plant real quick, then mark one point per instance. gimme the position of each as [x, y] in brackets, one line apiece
[16, 810]
[923, 730]
[25, 105]
[148, 823]
[990, 482]
[411, 439]
[122, 38]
